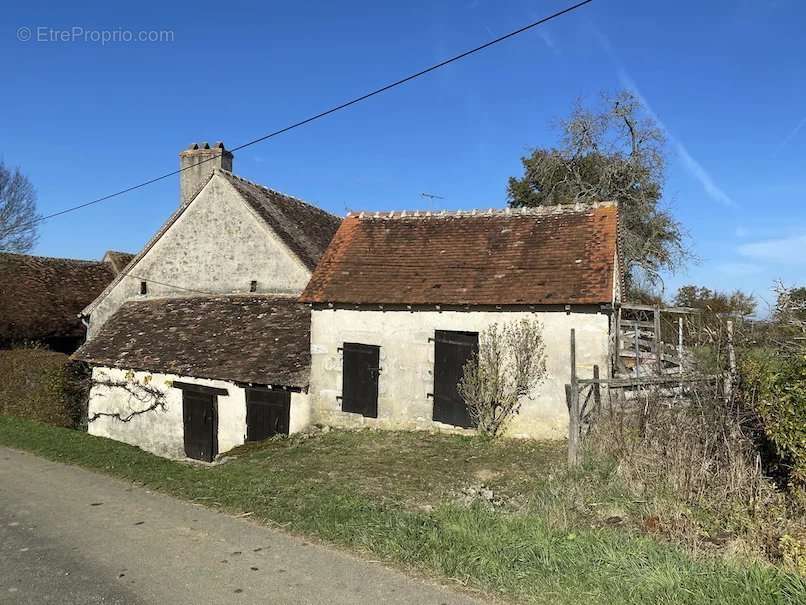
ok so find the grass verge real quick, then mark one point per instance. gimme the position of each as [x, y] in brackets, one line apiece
[390, 494]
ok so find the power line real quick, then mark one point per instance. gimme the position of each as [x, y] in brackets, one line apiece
[327, 112]
[154, 281]
[206, 292]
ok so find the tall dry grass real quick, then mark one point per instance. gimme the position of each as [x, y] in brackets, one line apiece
[691, 457]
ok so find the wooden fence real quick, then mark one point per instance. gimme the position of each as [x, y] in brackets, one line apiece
[661, 370]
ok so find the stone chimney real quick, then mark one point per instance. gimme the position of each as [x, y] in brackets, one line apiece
[197, 163]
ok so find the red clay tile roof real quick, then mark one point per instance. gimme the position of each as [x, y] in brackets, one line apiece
[555, 255]
[41, 297]
[241, 338]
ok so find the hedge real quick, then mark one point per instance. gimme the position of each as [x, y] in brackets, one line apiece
[778, 386]
[41, 385]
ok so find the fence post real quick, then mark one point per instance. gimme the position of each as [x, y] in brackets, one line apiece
[597, 394]
[617, 343]
[573, 407]
[731, 363]
[658, 341]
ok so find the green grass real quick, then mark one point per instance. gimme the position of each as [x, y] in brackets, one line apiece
[391, 494]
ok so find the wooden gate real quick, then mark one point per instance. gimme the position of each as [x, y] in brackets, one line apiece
[360, 373]
[268, 413]
[452, 350]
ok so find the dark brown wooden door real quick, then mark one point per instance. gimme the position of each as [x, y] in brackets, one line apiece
[267, 413]
[452, 350]
[201, 425]
[360, 373]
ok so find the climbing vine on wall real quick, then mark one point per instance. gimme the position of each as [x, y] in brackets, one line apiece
[149, 396]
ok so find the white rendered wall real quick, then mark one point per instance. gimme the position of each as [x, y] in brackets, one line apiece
[162, 431]
[407, 361]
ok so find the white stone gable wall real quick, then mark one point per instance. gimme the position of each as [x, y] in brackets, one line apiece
[218, 245]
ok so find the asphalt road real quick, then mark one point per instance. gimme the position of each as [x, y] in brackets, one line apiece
[74, 537]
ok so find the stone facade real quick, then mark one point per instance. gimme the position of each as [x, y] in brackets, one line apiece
[217, 245]
[161, 431]
[407, 362]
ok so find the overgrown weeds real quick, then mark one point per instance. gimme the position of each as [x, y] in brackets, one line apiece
[689, 459]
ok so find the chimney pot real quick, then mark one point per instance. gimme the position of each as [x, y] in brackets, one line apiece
[196, 164]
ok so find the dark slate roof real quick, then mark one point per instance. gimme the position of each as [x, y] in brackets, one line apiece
[118, 260]
[553, 255]
[241, 338]
[304, 228]
[41, 297]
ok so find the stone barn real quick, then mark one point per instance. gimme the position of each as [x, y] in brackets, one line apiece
[399, 299]
[195, 376]
[200, 343]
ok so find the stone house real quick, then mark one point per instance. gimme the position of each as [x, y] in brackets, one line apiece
[251, 313]
[200, 344]
[41, 297]
[399, 299]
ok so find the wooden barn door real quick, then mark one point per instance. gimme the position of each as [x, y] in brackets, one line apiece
[452, 350]
[360, 374]
[268, 413]
[201, 425]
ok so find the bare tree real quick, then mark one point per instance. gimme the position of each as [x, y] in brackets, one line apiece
[610, 153]
[510, 363]
[790, 312]
[18, 216]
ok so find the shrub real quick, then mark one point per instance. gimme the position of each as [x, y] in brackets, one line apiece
[793, 553]
[42, 385]
[775, 386]
[511, 361]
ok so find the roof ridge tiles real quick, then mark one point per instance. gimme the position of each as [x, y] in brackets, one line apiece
[521, 211]
[87, 261]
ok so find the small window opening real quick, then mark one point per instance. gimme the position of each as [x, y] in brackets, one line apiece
[253, 286]
[143, 287]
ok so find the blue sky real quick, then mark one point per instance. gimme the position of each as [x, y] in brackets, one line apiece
[725, 78]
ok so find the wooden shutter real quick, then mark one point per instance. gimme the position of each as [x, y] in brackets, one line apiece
[201, 425]
[452, 350]
[360, 374]
[267, 413]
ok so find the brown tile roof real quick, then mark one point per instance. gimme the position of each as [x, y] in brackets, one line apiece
[41, 297]
[242, 338]
[304, 228]
[555, 255]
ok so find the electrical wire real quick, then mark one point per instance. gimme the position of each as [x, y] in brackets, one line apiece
[322, 114]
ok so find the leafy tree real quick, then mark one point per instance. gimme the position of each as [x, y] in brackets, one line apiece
[714, 302]
[610, 153]
[17, 211]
